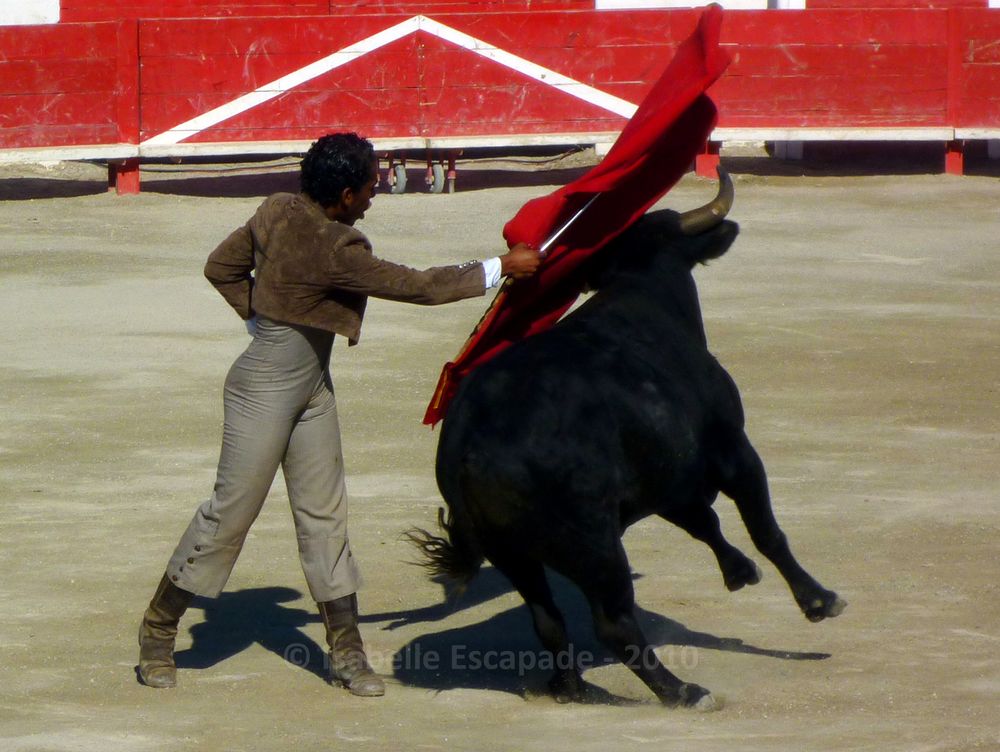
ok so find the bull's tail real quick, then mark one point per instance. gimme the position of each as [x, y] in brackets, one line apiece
[456, 557]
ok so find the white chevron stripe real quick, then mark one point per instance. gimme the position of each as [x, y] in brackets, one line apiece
[544, 75]
[352, 52]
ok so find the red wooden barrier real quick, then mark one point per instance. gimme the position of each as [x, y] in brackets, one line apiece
[974, 98]
[889, 69]
[76, 11]
[883, 4]
[253, 81]
[419, 81]
[69, 84]
[834, 68]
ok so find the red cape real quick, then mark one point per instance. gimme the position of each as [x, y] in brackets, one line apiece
[653, 151]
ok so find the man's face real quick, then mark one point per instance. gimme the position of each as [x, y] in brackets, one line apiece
[356, 203]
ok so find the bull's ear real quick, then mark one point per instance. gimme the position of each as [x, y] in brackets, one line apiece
[712, 244]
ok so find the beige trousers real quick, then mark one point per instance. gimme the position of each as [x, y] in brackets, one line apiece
[280, 409]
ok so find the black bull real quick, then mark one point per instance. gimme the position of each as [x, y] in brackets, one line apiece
[553, 448]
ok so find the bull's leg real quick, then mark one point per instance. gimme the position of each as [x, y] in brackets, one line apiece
[702, 523]
[743, 479]
[612, 604]
[528, 577]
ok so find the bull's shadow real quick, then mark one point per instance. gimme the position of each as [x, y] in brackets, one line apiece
[489, 584]
[504, 654]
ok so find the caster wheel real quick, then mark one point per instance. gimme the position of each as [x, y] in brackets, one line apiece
[437, 183]
[398, 183]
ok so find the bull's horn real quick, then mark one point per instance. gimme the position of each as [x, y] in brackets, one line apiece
[704, 218]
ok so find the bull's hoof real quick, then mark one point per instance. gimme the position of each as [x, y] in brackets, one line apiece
[741, 573]
[706, 704]
[694, 697]
[567, 686]
[825, 605]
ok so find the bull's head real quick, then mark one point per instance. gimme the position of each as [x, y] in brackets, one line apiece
[691, 237]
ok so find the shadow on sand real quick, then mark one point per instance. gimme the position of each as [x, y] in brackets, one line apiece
[31, 188]
[235, 621]
[246, 180]
[502, 653]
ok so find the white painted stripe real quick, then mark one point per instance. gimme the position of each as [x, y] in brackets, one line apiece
[279, 86]
[977, 133]
[820, 133]
[568, 85]
[36, 154]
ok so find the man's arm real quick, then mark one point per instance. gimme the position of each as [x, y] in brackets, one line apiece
[229, 269]
[356, 269]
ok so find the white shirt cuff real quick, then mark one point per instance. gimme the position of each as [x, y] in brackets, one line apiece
[492, 268]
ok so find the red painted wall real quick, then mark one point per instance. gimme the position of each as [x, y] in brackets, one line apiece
[75, 11]
[882, 4]
[417, 86]
[835, 68]
[974, 68]
[70, 84]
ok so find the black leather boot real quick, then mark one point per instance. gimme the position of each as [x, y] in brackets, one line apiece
[348, 662]
[158, 632]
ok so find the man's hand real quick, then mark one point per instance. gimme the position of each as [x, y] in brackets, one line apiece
[520, 261]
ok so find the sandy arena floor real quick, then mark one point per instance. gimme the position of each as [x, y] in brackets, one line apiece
[859, 314]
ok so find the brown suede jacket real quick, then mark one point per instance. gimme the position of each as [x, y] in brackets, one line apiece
[312, 271]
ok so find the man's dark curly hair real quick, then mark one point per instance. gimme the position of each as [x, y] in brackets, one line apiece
[335, 162]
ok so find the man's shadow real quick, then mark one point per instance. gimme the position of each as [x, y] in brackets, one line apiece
[235, 621]
[503, 653]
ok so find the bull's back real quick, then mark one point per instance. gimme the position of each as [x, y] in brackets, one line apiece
[573, 415]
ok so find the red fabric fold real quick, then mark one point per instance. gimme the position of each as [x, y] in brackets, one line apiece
[651, 154]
